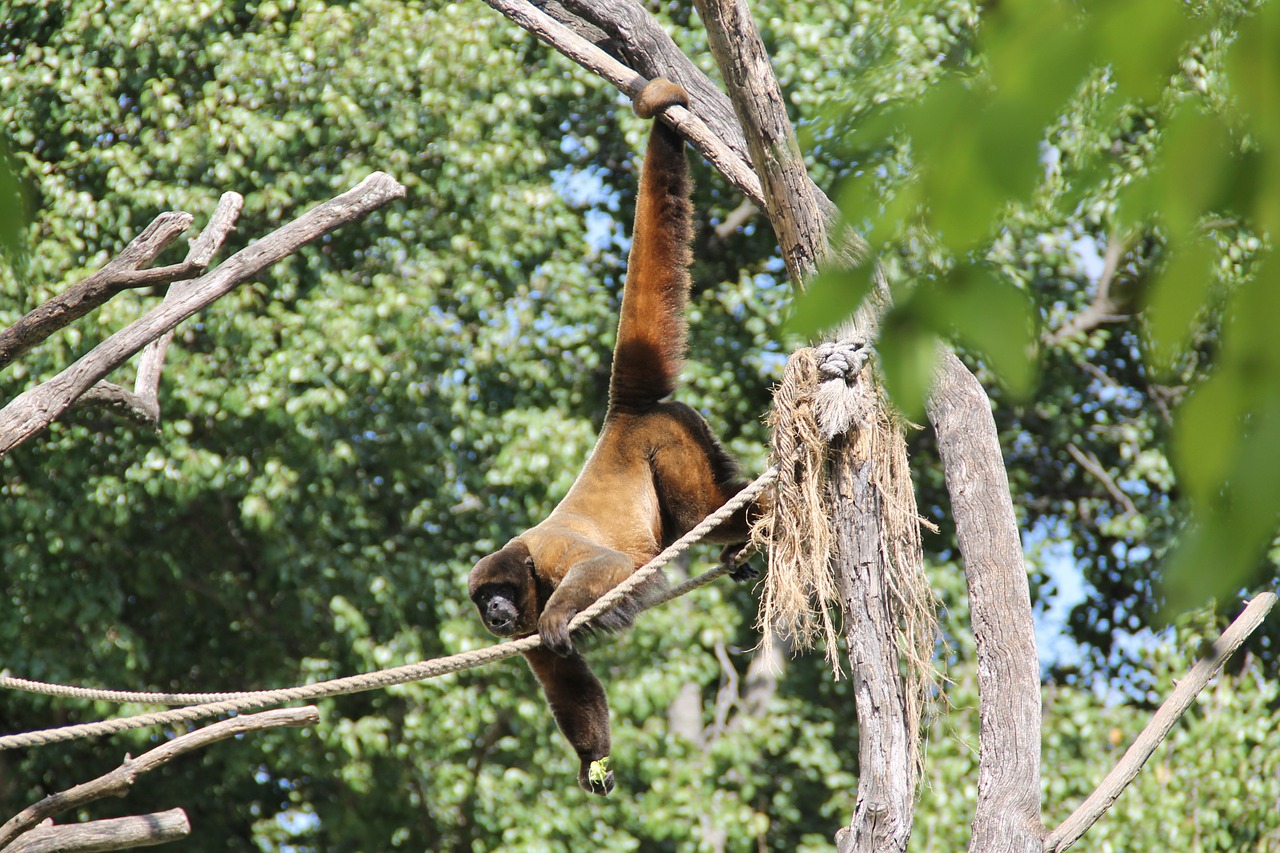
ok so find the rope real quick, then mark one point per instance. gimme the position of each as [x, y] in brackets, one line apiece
[214, 704]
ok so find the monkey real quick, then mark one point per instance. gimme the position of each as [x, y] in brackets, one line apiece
[655, 472]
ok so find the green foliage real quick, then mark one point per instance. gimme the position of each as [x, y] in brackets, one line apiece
[1025, 131]
[344, 436]
[1211, 786]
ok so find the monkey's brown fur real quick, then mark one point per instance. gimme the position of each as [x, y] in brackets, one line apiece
[655, 472]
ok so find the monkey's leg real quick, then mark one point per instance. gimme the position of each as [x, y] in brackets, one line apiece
[589, 579]
[578, 703]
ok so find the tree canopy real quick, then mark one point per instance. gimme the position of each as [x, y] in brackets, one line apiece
[345, 436]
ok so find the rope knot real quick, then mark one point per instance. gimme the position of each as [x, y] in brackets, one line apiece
[842, 359]
[840, 366]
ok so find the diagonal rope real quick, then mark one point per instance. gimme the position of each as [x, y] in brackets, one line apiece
[214, 704]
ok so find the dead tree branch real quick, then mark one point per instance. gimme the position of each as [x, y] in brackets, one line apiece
[121, 273]
[120, 833]
[1186, 691]
[118, 782]
[127, 270]
[758, 104]
[33, 410]
[143, 403]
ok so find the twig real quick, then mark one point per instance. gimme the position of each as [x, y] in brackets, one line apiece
[737, 218]
[1103, 308]
[1097, 803]
[118, 782]
[1091, 464]
[33, 410]
[119, 833]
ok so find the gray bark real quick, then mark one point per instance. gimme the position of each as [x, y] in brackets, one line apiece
[1008, 811]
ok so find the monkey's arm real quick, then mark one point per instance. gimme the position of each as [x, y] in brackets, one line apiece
[588, 579]
[578, 703]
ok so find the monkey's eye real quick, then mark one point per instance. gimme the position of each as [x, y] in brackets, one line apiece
[528, 563]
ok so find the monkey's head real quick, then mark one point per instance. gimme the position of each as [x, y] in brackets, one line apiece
[504, 588]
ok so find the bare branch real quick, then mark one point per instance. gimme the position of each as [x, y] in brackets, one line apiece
[33, 410]
[630, 83]
[1097, 803]
[118, 782]
[1008, 810]
[757, 101]
[1104, 308]
[1091, 464]
[737, 218]
[120, 833]
[594, 34]
[143, 404]
[122, 402]
[121, 273]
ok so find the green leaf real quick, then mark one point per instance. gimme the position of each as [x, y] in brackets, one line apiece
[1141, 41]
[833, 295]
[1206, 435]
[991, 316]
[908, 355]
[1236, 520]
[1195, 158]
[1176, 298]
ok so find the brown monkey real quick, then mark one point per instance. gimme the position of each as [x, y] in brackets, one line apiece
[655, 472]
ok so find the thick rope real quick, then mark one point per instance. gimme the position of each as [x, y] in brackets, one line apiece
[226, 703]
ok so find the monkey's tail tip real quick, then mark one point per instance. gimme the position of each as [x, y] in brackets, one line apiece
[658, 94]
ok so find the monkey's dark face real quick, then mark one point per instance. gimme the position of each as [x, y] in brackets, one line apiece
[503, 588]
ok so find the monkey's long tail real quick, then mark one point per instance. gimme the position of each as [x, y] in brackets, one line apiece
[651, 329]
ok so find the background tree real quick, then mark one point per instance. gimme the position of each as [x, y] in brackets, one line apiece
[343, 439]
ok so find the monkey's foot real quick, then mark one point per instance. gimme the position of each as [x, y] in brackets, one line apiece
[745, 572]
[737, 557]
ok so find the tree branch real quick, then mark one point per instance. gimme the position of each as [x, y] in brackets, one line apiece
[1090, 463]
[125, 271]
[1008, 810]
[118, 782]
[120, 833]
[1126, 770]
[1103, 309]
[143, 403]
[630, 83]
[33, 410]
[758, 104]
[884, 810]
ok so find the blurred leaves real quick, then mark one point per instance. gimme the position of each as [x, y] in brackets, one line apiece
[945, 180]
[344, 436]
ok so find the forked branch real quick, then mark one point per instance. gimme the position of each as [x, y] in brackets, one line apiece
[127, 270]
[33, 410]
[143, 402]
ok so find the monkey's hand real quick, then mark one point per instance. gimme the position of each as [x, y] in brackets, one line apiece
[553, 627]
[595, 777]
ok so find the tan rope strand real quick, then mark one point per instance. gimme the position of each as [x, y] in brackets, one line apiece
[420, 671]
